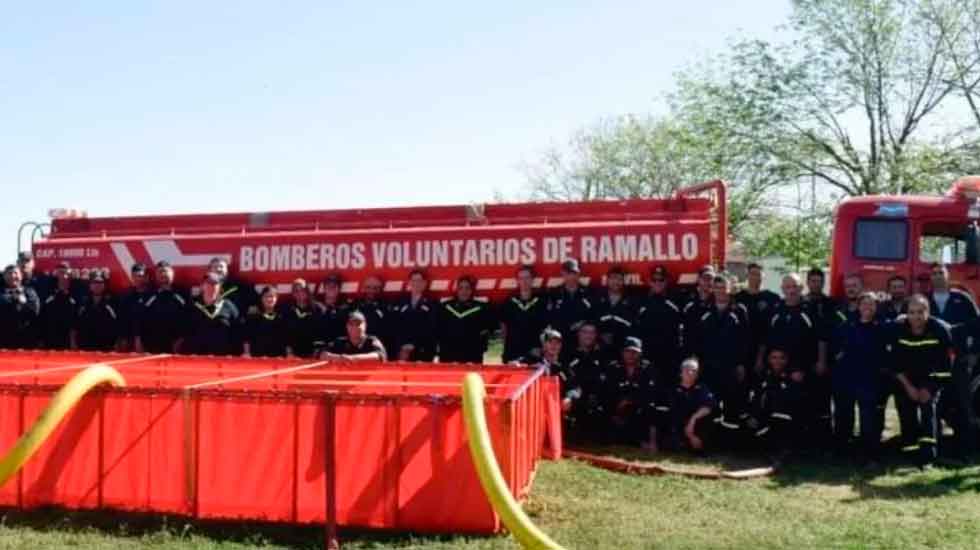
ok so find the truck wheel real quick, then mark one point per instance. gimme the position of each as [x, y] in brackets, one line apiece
[975, 402]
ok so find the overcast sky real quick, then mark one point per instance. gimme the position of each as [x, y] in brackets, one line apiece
[155, 107]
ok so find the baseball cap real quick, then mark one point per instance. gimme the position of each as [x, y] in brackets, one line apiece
[356, 317]
[550, 334]
[96, 276]
[633, 343]
[332, 279]
[570, 266]
[138, 268]
[659, 271]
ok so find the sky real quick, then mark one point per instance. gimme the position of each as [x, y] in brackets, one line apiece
[122, 108]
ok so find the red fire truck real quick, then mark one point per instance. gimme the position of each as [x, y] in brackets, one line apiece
[487, 242]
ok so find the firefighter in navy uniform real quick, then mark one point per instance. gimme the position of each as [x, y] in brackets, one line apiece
[658, 325]
[42, 284]
[19, 311]
[614, 310]
[570, 304]
[890, 309]
[586, 368]
[690, 411]
[821, 307]
[696, 303]
[163, 322]
[376, 310]
[357, 345]
[629, 394]
[240, 294]
[522, 317]
[132, 304]
[214, 324]
[775, 410]
[59, 313]
[266, 330]
[464, 326]
[414, 320]
[304, 322]
[99, 323]
[333, 310]
[922, 354]
[760, 305]
[721, 340]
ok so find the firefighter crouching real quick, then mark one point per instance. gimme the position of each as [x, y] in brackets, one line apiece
[773, 424]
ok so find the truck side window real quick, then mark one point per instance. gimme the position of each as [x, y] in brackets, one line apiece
[876, 239]
[948, 242]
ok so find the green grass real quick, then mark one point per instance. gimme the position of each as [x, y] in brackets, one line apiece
[806, 506]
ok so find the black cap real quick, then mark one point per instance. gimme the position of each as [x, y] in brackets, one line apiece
[96, 276]
[357, 317]
[211, 277]
[550, 334]
[633, 343]
[163, 263]
[332, 279]
[570, 266]
[25, 257]
[706, 269]
[659, 271]
[139, 268]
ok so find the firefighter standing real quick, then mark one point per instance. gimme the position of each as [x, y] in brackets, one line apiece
[760, 305]
[859, 353]
[214, 325]
[132, 305]
[240, 294]
[888, 311]
[19, 311]
[614, 310]
[30, 278]
[922, 353]
[59, 313]
[569, 304]
[721, 340]
[522, 317]
[333, 310]
[304, 322]
[464, 326]
[99, 323]
[163, 322]
[266, 331]
[658, 324]
[414, 321]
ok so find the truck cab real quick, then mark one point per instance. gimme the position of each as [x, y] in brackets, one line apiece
[880, 236]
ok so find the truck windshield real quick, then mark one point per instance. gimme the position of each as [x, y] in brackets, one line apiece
[948, 242]
[876, 239]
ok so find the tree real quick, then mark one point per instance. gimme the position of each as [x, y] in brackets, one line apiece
[641, 157]
[849, 101]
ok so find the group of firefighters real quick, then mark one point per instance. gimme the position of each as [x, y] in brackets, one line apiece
[706, 369]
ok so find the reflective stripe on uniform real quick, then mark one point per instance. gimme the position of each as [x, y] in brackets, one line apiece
[781, 416]
[729, 425]
[927, 440]
[918, 343]
[462, 314]
[763, 431]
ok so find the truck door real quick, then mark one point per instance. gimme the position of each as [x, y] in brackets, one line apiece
[954, 243]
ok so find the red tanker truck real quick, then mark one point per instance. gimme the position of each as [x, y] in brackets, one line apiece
[488, 242]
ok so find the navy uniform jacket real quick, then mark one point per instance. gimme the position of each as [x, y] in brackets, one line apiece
[163, 321]
[721, 338]
[464, 330]
[267, 334]
[639, 388]
[684, 402]
[415, 324]
[925, 359]
[131, 307]
[889, 310]
[615, 320]
[213, 329]
[859, 354]
[776, 397]
[18, 318]
[369, 344]
[59, 315]
[960, 312]
[378, 315]
[242, 295]
[760, 307]
[587, 366]
[305, 328]
[567, 310]
[99, 325]
[658, 325]
[525, 320]
[796, 330]
[692, 311]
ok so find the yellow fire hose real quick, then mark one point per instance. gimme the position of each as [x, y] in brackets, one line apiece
[492, 480]
[60, 405]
